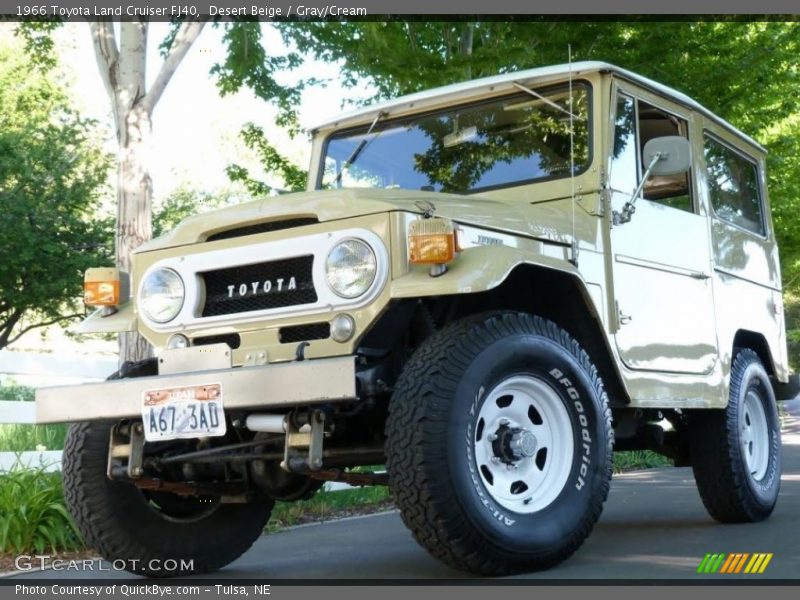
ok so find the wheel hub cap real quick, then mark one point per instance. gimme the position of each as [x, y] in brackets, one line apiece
[524, 445]
[754, 436]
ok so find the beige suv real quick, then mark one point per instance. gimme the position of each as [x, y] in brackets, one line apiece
[488, 287]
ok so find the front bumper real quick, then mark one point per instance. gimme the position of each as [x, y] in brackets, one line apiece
[254, 387]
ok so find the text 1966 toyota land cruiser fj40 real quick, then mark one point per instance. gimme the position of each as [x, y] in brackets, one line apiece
[488, 287]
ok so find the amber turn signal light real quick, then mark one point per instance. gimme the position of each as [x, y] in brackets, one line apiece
[101, 287]
[432, 241]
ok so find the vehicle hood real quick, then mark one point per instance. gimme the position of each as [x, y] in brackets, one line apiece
[333, 205]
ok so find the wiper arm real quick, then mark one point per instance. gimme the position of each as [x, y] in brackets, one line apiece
[358, 149]
[547, 101]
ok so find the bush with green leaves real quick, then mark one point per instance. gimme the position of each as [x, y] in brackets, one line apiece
[53, 174]
[33, 516]
[17, 393]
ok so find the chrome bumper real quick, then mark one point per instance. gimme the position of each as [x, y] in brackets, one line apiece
[268, 386]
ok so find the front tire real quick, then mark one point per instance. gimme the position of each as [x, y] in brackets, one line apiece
[499, 444]
[156, 534]
[736, 452]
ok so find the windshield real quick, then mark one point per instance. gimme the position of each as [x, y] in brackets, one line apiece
[517, 139]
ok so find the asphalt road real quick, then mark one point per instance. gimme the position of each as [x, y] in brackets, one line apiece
[654, 526]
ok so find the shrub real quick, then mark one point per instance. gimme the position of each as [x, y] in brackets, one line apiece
[33, 517]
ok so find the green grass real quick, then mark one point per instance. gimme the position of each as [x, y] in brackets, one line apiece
[327, 505]
[20, 438]
[639, 459]
[33, 516]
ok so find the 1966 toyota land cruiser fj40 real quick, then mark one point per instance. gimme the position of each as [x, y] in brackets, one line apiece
[488, 287]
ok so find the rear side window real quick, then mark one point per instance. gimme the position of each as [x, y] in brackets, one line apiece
[733, 186]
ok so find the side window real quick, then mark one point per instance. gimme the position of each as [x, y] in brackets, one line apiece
[733, 186]
[636, 123]
[674, 190]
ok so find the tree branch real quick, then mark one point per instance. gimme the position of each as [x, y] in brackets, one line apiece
[107, 55]
[8, 326]
[24, 330]
[186, 36]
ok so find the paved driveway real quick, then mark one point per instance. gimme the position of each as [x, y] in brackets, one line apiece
[653, 527]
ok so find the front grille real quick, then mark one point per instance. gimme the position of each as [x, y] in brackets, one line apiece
[261, 228]
[263, 286]
[232, 339]
[304, 333]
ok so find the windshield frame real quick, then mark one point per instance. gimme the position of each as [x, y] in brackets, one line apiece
[393, 122]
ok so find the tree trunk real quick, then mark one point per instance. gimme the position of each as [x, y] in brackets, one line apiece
[122, 68]
[134, 208]
[134, 186]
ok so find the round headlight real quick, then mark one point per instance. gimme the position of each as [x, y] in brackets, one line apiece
[161, 296]
[350, 268]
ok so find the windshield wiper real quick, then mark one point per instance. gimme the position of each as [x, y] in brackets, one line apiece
[546, 100]
[359, 149]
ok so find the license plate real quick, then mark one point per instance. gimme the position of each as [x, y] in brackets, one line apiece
[183, 412]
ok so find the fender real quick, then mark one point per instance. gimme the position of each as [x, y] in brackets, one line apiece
[476, 269]
[122, 320]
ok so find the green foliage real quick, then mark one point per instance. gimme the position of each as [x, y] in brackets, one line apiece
[249, 64]
[38, 41]
[329, 505]
[272, 161]
[791, 303]
[184, 202]
[24, 438]
[17, 393]
[635, 460]
[52, 173]
[34, 517]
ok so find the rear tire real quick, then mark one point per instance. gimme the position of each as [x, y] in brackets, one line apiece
[736, 452]
[146, 532]
[481, 413]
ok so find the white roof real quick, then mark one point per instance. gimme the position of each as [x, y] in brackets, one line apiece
[505, 82]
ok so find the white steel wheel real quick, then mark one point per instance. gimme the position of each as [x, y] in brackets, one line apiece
[499, 444]
[524, 445]
[736, 451]
[755, 438]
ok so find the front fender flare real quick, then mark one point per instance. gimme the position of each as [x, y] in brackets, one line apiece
[475, 270]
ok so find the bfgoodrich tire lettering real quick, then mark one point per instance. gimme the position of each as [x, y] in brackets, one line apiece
[431, 433]
[737, 486]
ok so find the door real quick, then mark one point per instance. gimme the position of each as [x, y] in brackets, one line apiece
[660, 259]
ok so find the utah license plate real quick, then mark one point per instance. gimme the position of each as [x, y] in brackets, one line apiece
[183, 412]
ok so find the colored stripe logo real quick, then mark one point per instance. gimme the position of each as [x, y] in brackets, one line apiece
[736, 563]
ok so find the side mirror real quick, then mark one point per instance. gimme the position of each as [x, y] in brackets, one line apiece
[674, 155]
[663, 156]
